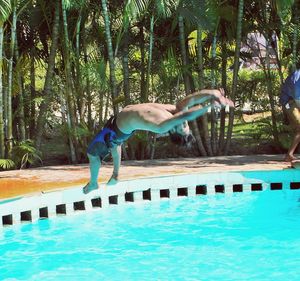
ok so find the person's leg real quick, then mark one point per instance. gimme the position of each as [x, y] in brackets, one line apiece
[95, 164]
[182, 116]
[290, 154]
[294, 117]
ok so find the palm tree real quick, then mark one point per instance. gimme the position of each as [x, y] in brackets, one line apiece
[213, 117]
[5, 9]
[71, 119]
[2, 148]
[10, 78]
[235, 71]
[48, 79]
[203, 15]
[203, 119]
[161, 10]
[295, 34]
[187, 84]
[110, 50]
[151, 42]
[20, 79]
[32, 110]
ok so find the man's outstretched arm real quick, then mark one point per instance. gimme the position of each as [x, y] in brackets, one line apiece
[202, 96]
[116, 153]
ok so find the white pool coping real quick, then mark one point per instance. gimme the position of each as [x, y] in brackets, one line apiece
[43, 205]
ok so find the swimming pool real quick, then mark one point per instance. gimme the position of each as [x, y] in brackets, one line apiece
[214, 232]
[238, 236]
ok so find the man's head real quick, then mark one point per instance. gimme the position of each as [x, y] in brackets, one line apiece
[181, 135]
[182, 129]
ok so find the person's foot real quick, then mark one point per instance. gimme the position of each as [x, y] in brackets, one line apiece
[289, 158]
[90, 187]
[113, 180]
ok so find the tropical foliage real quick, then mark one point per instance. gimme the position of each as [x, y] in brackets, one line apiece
[70, 64]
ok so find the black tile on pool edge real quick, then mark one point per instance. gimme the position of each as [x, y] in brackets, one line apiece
[295, 185]
[182, 191]
[276, 186]
[219, 188]
[256, 187]
[147, 194]
[237, 188]
[201, 189]
[164, 193]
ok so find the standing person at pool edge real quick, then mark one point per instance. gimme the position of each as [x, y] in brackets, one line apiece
[153, 117]
[290, 100]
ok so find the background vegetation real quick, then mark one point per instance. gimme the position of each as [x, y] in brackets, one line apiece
[65, 66]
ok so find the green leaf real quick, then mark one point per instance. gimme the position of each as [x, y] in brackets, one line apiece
[6, 164]
[5, 10]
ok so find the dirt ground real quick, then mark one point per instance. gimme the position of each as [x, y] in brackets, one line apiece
[21, 182]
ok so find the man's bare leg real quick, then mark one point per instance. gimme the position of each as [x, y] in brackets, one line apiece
[290, 154]
[95, 164]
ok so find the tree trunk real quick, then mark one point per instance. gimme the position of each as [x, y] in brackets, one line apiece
[78, 78]
[87, 90]
[48, 79]
[143, 74]
[110, 55]
[151, 39]
[187, 84]
[200, 58]
[184, 56]
[271, 95]
[152, 149]
[21, 114]
[2, 147]
[203, 119]
[126, 84]
[32, 94]
[10, 80]
[70, 107]
[213, 118]
[235, 72]
[66, 122]
[295, 35]
[224, 86]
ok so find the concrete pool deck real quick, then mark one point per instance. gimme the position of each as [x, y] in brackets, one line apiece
[30, 181]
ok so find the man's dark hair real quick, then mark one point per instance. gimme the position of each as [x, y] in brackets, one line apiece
[182, 140]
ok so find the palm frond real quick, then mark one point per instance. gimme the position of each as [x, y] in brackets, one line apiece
[25, 153]
[67, 4]
[6, 164]
[200, 12]
[5, 10]
[283, 8]
[136, 8]
[165, 8]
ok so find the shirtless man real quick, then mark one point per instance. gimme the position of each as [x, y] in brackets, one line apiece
[153, 117]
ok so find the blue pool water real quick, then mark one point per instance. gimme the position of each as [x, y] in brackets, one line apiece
[242, 236]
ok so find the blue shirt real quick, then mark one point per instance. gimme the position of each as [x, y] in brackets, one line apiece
[290, 89]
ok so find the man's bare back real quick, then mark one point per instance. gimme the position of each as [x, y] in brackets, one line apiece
[146, 116]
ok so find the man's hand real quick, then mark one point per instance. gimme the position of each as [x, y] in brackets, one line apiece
[113, 180]
[89, 187]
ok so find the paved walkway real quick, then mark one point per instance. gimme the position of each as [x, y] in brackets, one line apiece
[20, 182]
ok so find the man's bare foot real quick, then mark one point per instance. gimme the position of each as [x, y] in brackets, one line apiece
[289, 158]
[113, 180]
[90, 187]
